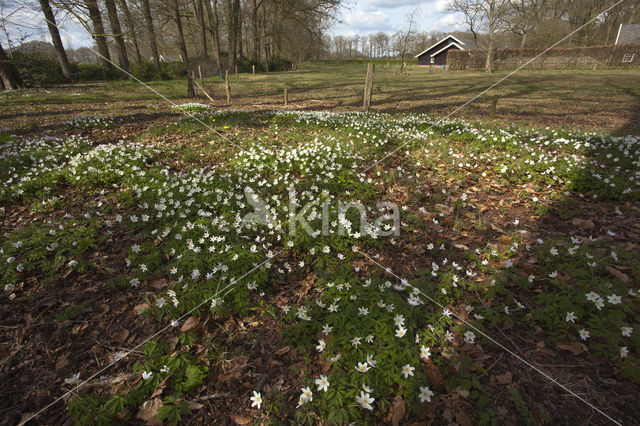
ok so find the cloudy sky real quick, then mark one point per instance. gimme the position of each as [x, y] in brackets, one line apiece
[359, 17]
[362, 17]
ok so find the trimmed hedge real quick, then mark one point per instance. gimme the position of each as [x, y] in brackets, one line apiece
[557, 58]
[93, 72]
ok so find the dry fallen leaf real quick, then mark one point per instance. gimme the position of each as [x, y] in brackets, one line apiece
[140, 308]
[62, 362]
[122, 335]
[575, 348]
[149, 410]
[189, 324]
[497, 228]
[504, 379]
[433, 373]
[583, 223]
[619, 275]
[463, 418]
[397, 412]
[282, 351]
[240, 420]
[194, 406]
[307, 283]
[159, 284]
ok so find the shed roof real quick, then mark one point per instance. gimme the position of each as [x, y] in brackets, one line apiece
[628, 33]
[453, 43]
[463, 44]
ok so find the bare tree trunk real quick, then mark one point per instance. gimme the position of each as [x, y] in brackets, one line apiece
[114, 23]
[146, 11]
[213, 23]
[240, 45]
[525, 31]
[182, 45]
[488, 65]
[264, 37]
[203, 28]
[55, 39]
[132, 29]
[98, 32]
[256, 36]
[8, 73]
[233, 11]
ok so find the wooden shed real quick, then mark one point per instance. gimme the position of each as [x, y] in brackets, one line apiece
[437, 53]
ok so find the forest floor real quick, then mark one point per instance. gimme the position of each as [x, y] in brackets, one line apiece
[134, 290]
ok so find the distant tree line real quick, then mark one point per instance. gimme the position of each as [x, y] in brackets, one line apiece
[381, 45]
[501, 24]
[143, 36]
[228, 33]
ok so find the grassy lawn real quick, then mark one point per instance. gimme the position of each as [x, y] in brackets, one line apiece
[210, 264]
[601, 100]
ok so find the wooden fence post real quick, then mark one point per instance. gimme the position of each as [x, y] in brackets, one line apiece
[236, 72]
[368, 86]
[253, 69]
[226, 85]
[286, 98]
[200, 73]
[201, 88]
[494, 104]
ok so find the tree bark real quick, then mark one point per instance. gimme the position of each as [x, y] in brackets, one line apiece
[132, 29]
[146, 11]
[240, 45]
[264, 36]
[56, 40]
[256, 36]
[233, 11]
[8, 73]
[114, 23]
[212, 16]
[488, 65]
[203, 28]
[181, 43]
[98, 32]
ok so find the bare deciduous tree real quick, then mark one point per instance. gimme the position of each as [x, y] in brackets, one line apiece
[114, 23]
[55, 39]
[131, 25]
[489, 17]
[8, 73]
[146, 11]
[99, 34]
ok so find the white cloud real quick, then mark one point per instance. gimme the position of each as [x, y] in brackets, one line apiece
[27, 24]
[451, 19]
[428, 6]
[359, 22]
[392, 4]
[442, 5]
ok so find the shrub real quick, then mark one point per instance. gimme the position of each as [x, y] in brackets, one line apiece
[173, 70]
[144, 71]
[93, 72]
[38, 70]
[279, 64]
[244, 65]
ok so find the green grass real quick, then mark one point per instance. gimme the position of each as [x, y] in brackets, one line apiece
[601, 99]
